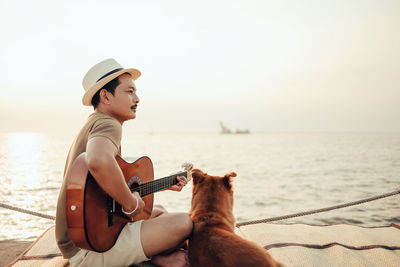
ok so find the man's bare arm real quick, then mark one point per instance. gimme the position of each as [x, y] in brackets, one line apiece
[100, 159]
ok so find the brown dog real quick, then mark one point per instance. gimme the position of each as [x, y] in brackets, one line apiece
[214, 242]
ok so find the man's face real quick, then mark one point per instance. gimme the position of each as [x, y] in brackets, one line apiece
[124, 102]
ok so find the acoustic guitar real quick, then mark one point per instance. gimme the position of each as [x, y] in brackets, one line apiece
[94, 219]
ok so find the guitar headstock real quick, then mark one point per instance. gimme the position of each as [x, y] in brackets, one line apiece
[188, 167]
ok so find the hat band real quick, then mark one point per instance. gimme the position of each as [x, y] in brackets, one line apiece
[109, 73]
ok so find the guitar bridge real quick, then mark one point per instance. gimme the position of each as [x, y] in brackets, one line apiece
[110, 210]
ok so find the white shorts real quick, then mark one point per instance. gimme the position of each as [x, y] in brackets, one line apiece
[127, 250]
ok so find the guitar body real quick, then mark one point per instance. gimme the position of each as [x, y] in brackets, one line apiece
[94, 220]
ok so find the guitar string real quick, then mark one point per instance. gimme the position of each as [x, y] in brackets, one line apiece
[152, 184]
[158, 184]
[155, 184]
[162, 183]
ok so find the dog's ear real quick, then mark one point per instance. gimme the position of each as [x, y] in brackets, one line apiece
[198, 176]
[228, 179]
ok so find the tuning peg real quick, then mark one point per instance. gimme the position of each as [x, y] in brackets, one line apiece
[187, 166]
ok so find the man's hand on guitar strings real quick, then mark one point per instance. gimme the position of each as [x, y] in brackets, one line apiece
[182, 181]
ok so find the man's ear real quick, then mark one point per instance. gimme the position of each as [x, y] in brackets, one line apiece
[228, 179]
[104, 96]
[198, 176]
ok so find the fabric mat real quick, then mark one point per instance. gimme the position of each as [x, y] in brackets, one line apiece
[291, 244]
[334, 245]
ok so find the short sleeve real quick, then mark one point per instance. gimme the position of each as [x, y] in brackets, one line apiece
[109, 128]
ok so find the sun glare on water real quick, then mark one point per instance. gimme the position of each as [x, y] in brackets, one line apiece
[23, 177]
[23, 159]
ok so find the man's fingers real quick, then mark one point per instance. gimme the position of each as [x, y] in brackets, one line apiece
[182, 179]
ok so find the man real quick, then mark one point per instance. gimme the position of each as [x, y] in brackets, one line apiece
[112, 92]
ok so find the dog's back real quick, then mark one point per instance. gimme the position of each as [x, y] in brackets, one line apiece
[213, 242]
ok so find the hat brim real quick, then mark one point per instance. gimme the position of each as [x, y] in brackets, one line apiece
[87, 97]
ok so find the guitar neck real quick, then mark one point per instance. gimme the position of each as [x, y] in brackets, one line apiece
[154, 186]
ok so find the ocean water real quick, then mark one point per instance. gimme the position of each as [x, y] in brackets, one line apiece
[278, 174]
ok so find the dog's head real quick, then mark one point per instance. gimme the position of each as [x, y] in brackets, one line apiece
[212, 193]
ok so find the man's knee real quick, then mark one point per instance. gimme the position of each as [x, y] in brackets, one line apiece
[161, 208]
[157, 211]
[185, 223]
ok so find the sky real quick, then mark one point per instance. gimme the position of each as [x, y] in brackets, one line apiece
[267, 66]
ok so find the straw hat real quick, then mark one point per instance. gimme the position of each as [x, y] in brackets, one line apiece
[100, 74]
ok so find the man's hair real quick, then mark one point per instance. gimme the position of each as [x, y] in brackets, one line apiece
[110, 87]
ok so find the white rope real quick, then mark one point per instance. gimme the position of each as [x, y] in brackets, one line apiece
[319, 210]
[6, 206]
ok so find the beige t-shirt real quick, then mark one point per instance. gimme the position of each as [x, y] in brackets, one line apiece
[98, 124]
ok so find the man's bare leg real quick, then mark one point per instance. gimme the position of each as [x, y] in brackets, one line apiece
[166, 232]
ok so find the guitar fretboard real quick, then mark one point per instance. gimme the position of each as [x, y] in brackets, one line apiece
[156, 185]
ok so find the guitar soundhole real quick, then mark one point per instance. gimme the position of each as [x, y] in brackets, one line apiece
[133, 184]
[134, 187]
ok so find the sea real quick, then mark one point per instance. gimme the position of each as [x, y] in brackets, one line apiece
[278, 174]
